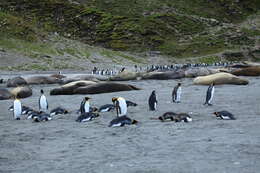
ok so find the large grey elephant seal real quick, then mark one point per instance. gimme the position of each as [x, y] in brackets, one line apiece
[5, 94]
[105, 87]
[249, 71]
[164, 75]
[195, 72]
[125, 76]
[220, 78]
[96, 88]
[16, 81]
[22, 92]
[42, 80]
[69, 88]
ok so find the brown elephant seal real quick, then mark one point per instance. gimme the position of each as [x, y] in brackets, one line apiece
[16, 81]
[249, 71]
[125, 76]
[69, 88]
[43, 80]
[164, 75]
[220, 78]
[195, 72]
[106, 87]
[58, 76]
[22, 92]
[5, 94]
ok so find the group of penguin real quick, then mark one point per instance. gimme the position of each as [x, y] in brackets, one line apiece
[119, 104]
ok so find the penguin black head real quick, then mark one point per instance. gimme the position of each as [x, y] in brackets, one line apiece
[42, 91]
[87, 98]
[179, 84]
[114, 99]
[153, 92]
[213, 84]
[134, 121]
[216, 114]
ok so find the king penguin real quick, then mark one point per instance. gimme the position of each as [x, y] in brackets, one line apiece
[225, 115]
[176, 93]
[43, 103]
[210, 94]
[152, 101]
[17, 109]
[120, 105]
[85, 106]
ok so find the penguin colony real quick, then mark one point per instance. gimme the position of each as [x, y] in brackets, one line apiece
[119, 106]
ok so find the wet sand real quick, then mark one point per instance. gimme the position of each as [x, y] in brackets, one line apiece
[204, 145]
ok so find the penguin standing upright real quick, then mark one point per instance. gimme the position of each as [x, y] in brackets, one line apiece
[85, 106]
[43, 103]
[120, 105]
[210, 94]
[152, 101]
[176, 93]
[17, 109]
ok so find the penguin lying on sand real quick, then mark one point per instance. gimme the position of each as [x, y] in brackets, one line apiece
[106, 108]
[122, 121]
[176, 117]
[87, 116]
[58, 110]
[42, 116]
[224, 115]
[129, 103]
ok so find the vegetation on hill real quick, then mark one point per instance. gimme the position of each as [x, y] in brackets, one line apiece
[179, 28]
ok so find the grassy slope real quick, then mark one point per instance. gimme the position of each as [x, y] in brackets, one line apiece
[173, 27]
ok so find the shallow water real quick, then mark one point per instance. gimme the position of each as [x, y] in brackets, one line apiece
[204, 145]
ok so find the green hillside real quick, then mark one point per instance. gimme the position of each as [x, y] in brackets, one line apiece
[176, 29]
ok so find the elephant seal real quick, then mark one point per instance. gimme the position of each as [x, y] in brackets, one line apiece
[164, 75]
[42, 80]
[22, 92]
[220, 78]
[105, 87]
[125, 76]
[16, 81]
[69, 88]
[249, 71]
[195, 72]
[5, 94]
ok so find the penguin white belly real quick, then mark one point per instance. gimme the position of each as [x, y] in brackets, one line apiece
[155, 105]
[211, 95]
[43, 103]
[17, 109]
[116, 125]
[178, 95]
[225, 117]
[189, 119]
[86, 106]
[123, 107]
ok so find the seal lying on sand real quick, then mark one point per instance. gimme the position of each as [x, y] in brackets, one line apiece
[16, 81]
[22, 92]
[94, 88]
[195, 72]
[220, 78]
[5, 94]
[249, 71]
[164, 75]
[69, 88]
[125, 76]
[42, 80]
[105, 87]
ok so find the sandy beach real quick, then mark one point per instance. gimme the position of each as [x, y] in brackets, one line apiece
[204, 145]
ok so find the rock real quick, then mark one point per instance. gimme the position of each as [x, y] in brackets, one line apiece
[16, 81]
[220, 78]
